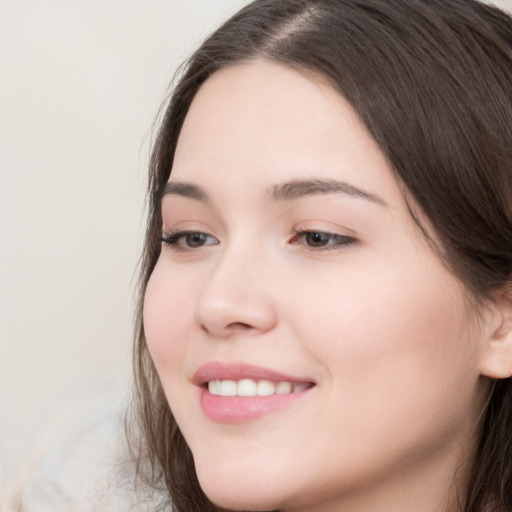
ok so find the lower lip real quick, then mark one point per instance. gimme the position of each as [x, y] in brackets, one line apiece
[240, 409]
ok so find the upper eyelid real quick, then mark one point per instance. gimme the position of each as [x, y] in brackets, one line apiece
[325, 225]
[178, 233]
[326, 231]
[295, 231]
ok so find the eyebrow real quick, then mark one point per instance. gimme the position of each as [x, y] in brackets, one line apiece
[179, 188]
[287, 191]
[300, 188]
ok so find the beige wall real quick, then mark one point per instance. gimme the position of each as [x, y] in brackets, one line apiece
[80, 83]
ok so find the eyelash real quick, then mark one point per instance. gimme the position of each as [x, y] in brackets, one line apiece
[332, 240]
[173, 239]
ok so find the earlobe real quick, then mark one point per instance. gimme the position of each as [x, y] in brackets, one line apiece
[497, 357]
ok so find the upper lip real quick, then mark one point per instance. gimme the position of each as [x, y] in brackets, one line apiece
[217, 370]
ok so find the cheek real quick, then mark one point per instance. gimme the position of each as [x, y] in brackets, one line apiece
[397, 361]
[401, 306]
[399, 333]
[168, 308]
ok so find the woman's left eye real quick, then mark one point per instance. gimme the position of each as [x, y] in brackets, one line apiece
[321, 240]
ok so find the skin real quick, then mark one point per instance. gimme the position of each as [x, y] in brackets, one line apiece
[379, 325]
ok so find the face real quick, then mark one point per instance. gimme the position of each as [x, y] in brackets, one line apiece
[316, 354]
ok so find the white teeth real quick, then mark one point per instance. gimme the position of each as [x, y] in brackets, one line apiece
[246, 387]
[300, 386]
[214, 387]
[266, 388]
[228, 388]
[283, 388]
[250, 387]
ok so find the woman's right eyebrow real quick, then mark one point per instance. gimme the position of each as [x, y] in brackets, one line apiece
[177, 188]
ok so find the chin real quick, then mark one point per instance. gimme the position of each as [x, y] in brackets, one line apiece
[236, 500]
[231, 492]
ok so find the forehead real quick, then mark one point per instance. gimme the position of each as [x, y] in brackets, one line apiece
[264, 123]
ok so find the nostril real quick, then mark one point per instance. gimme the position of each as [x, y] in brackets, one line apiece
[239, 326]
[234, 326]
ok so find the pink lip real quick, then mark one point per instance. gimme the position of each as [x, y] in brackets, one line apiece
[237, 371]
[239, 409]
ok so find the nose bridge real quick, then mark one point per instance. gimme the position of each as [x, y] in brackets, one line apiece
[236, 296]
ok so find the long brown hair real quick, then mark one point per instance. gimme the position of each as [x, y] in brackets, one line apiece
[432, 81]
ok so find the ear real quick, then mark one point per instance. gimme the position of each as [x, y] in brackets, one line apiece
[496, 361]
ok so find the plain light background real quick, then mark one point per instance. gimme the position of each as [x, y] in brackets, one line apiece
[80, 85]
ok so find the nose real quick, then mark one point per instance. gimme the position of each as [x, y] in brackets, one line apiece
[236, 298]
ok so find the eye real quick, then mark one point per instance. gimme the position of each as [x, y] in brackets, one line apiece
[321, 240]
[188, 240]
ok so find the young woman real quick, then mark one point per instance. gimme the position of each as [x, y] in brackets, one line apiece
[326, 293]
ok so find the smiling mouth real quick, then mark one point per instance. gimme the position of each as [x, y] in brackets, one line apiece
[237, 393]
[251, 387]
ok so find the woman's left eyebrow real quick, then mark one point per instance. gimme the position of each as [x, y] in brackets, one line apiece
[296, 189]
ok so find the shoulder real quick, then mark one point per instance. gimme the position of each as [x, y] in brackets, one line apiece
[82, 463]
